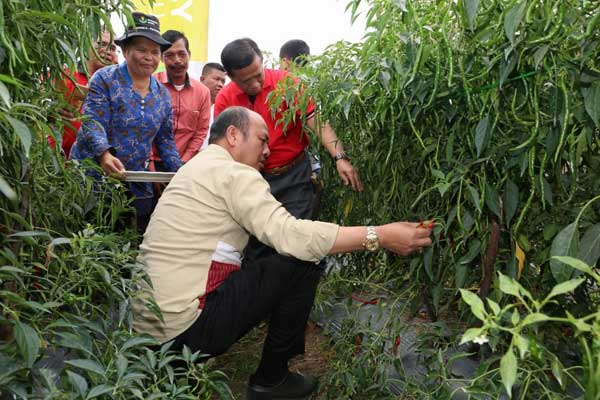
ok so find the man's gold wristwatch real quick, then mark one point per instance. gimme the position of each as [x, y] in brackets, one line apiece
[371, 242]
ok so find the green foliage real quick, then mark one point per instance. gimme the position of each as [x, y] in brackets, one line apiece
[481, 114]
[67, 263]
[522, 325]
[469, 112]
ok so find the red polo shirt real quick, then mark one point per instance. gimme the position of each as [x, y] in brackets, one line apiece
[191, 116]
[67, 87]
[284, 145]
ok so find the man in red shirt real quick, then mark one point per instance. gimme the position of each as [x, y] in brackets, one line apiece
[288, 168]
[190, 99]
[74, 90]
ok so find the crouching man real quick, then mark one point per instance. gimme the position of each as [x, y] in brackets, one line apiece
[192, 251]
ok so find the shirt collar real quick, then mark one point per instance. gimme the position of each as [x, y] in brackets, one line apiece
[220, 150]
[129, 81]
[163, 78]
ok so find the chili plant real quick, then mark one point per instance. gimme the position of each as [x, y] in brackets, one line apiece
[479, 114]
[67, 262]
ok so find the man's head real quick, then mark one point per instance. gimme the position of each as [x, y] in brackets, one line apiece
[213, 76]
[177, 57]
[293, 52]
[107, 52]
[244, 134]
[242, 60]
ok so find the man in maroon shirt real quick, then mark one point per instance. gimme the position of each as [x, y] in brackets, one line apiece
[288, 168]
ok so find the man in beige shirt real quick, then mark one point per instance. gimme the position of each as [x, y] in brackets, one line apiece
[192, 252]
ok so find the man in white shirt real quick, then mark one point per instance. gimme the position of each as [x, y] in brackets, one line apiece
[213, 77]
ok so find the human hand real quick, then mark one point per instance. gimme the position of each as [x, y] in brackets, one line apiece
[80, 92]
[111, 165]
[66, 114]
[348, 174]
[404, 238]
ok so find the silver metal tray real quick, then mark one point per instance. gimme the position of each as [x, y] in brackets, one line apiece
[147, 176]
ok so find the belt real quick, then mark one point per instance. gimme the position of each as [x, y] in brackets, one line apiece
[285, 168]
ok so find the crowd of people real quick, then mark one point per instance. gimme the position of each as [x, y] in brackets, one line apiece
[232, 241]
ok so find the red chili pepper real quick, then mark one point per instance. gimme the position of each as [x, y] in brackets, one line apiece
[396, 345]
[363, 301]
[358, 343]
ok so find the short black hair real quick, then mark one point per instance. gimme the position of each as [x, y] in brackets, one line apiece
[210, 66]
[173, 36]
[295, 50]
[239, 54]
[236, 116]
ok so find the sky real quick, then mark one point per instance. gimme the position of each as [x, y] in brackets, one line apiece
[270, 23]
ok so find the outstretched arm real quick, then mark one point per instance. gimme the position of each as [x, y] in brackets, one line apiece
[401, 238]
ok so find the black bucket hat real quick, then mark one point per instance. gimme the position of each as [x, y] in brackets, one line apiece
[144, 25]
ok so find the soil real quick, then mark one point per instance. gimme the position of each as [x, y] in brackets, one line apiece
[243, 357]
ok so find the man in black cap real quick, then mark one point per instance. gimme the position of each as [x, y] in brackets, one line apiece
[127, 110]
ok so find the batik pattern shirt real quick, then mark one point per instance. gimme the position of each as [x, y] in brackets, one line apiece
[118, 119]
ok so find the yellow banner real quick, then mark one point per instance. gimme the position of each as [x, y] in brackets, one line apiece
[187, 16]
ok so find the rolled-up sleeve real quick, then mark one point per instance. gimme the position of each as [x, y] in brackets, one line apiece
[253, 206]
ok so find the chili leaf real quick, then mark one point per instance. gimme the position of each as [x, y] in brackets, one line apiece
[482, 135]
[539, 55]
[534, 318]
[471, 7]
[591, 97]
[401, 4]
[511, 200]
[28, 342]
[508, 370]
[4, 94]
[78, 382]
[512, 20]
[22, 132]
[477, 307]
[492, 199]
[589, 248]
[564, 244]
[565, 287]
[88, 365]
[7, 190]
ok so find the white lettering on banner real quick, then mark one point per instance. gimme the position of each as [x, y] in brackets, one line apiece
[181, 11]
[157, 5]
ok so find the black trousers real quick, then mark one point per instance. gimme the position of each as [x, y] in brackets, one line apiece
[279, 288]
[295, 191]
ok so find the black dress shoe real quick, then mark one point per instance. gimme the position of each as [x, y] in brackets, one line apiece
[294, 386]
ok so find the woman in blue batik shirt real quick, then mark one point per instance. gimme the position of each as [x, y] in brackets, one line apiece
[127, 110]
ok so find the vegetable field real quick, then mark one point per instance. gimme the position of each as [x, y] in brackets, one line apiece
[482, 116]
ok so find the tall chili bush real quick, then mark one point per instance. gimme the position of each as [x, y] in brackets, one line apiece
[483, 115]
[67, 263]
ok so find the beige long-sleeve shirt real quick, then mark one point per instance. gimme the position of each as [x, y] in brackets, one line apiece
[205, 217]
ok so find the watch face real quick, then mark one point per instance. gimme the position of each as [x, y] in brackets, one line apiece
[372, 241]
[372, 245]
